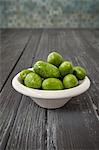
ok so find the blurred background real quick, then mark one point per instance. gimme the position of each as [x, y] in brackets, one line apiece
[49, 13]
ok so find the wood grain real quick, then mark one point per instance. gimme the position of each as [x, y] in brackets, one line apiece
[12, 46]
[82, 55]
[26, 126]
[30, 132]
[74, 126]
[29, 128]
[10, 100]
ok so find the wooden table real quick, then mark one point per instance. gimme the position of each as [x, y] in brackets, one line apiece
[26, 126]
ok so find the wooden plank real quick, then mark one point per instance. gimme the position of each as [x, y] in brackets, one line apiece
[80, 39]
[91, 62]
[29, 127]
[96, 34]
[30, 132]
[74, 126]
[93, 72]
[13, 42]
[10, 100]
[80, 50]
[90, 43]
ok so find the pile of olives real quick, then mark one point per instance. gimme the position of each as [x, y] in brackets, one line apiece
[55, 74]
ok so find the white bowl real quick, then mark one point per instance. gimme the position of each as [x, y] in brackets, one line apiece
[50, 99]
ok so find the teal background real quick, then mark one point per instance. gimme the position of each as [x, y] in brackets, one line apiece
[49, 13]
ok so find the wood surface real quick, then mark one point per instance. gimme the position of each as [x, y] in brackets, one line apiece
[26, 126]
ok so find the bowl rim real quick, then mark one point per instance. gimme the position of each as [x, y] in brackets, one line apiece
[50, 94]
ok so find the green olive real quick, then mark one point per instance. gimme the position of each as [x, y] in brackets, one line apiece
[79, 72]
[46, 70]
[70, 81]
[66, 68]
[55, 59]
[33, 80]
[24, 73]
[52, 84]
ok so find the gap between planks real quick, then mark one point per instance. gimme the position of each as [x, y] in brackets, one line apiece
[8, 134]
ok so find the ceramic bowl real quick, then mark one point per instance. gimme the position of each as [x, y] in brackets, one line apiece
[50, 99]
